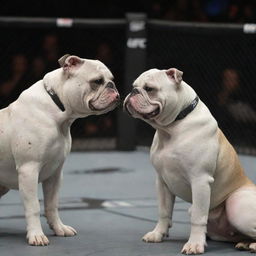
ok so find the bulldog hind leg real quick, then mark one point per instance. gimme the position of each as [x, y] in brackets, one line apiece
[219, 227]
[3, 190]
[241, 213]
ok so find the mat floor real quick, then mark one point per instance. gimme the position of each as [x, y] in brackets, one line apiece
[110, 199]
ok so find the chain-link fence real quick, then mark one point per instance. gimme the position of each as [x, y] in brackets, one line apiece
[218, 61]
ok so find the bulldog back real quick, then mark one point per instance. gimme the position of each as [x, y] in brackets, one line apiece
[7, 164]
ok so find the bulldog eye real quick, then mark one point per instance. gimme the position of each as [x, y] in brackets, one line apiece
[98, 81]
[148, 89]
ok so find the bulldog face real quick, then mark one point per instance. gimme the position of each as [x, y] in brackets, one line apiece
[155, 96]
[86, 86]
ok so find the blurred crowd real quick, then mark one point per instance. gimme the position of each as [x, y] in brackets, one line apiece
[23, 71]
[204, 10]
[231, 105]
[177, 10]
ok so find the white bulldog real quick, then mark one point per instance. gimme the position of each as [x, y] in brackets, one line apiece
[195, 162]
[35, 135]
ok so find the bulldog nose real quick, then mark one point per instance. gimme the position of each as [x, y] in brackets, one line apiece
[110, 85]
[135, 91]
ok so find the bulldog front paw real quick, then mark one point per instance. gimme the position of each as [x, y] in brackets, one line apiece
[242, 246]
[37, 238]
[63, 230]
[153, 237]
[246, 246]
[193, 248]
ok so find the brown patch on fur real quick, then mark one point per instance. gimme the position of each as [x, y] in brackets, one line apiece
[238, 171]
[229, 174]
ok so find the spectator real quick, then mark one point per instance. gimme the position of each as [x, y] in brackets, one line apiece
[216, 9]
[104, 54]
[178, 11]
[183, 10]
[38, 69]
[156, 10]
[16, 82]
[233, 110]
[50, 51]
[248, 13]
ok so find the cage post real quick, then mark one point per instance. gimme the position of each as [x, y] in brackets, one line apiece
[135, 64]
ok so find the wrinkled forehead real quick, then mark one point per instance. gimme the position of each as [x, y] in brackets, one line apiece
[96, 68]
[150, 77]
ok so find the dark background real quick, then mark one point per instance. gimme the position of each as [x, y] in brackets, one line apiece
[220, 66]
[181, 10]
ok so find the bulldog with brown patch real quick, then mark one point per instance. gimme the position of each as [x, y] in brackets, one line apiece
[193, 161]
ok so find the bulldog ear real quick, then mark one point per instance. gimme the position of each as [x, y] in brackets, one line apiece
[62, 59]
[69, 62]
[174, 74]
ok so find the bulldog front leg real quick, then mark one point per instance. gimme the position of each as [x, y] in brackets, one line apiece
[28, 180]
[51, 188]
[201, 192]
[165, 207]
